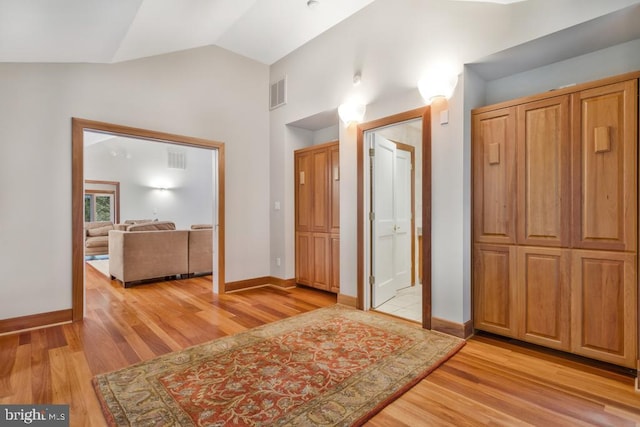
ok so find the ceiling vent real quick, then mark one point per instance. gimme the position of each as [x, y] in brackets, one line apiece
[278, 93]
[177, 159]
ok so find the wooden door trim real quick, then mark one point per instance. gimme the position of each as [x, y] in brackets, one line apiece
[423, 113]
[77, 199]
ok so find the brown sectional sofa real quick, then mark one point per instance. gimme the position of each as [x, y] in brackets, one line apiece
[156, 249]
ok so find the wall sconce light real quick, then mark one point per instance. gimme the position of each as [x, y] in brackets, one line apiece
[437, 83]
[350, 112]
[312, 4]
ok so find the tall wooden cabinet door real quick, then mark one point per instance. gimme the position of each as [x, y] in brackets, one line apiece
[605, 160]
[334, 250]
[321, 261]
[604, 306]
[303, 191]
[320, 220]
[304, 259]
[334, 176]
[495, 296]
[543, 170]
[544, 296]
[494, 188]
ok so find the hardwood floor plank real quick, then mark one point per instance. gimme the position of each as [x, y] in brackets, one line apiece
[18, 380]
[40, 369]
[489, 382]
[8, 348]
[527, 390]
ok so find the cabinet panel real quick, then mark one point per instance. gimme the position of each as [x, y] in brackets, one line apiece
[320, 186]
[304, 191]
[321, 261]
[334, 249]
[494, 170]
[543, 171]
[494, 289]
[544, 303]
[604, 317]
[334, 153]
[304, 256]
[604, 193]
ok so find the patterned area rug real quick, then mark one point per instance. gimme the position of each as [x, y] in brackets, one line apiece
[332, 366]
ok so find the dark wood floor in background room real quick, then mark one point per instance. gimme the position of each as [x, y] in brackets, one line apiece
[489, 382]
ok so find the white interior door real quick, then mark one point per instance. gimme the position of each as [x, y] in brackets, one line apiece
[403, 212]
[391, 223]
[384, 220]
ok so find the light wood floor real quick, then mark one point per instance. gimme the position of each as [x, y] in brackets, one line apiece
[489, 382]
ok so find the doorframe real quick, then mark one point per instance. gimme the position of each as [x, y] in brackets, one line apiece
[77, 196]
[423, 113]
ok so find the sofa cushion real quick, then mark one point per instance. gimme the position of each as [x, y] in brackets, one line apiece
[201, 226]
[99, 231]
[137, 221]
[152, 226]
[97, 242]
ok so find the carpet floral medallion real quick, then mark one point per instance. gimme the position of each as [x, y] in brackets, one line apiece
[335, 366]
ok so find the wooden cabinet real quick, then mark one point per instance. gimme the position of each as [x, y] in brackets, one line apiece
[604, 315]
[304, 258]
[495, 167]
[605, 167]
[543, 305]
[555, 219]
[317, 216]
[543, 172]
[494, 290]
[334, 270]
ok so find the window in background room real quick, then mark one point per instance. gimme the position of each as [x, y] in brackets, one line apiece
[98, 207]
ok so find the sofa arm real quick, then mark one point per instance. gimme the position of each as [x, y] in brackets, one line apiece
[142, 255]
[116, 254]
[201, 251]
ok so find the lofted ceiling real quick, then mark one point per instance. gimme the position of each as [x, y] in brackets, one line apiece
[108, 31]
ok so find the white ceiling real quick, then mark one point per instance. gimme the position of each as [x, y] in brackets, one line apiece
[106, 31]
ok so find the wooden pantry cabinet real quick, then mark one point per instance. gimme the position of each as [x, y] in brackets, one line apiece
[317, 216]
[555, 214]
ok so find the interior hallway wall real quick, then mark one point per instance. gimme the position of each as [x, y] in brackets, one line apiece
[206, 92]
[415, 34]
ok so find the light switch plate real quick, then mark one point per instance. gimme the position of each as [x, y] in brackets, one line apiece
[444, 117]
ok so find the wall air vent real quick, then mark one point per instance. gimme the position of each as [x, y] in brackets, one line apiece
[176, 159]
[278, 93]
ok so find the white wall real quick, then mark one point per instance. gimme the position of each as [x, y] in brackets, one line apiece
[474, 96]
[140, 167]
[615, 60]
[207, 92]
[392, 44]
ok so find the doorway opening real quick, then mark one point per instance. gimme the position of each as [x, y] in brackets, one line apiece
[83, 127]
[394, 203]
